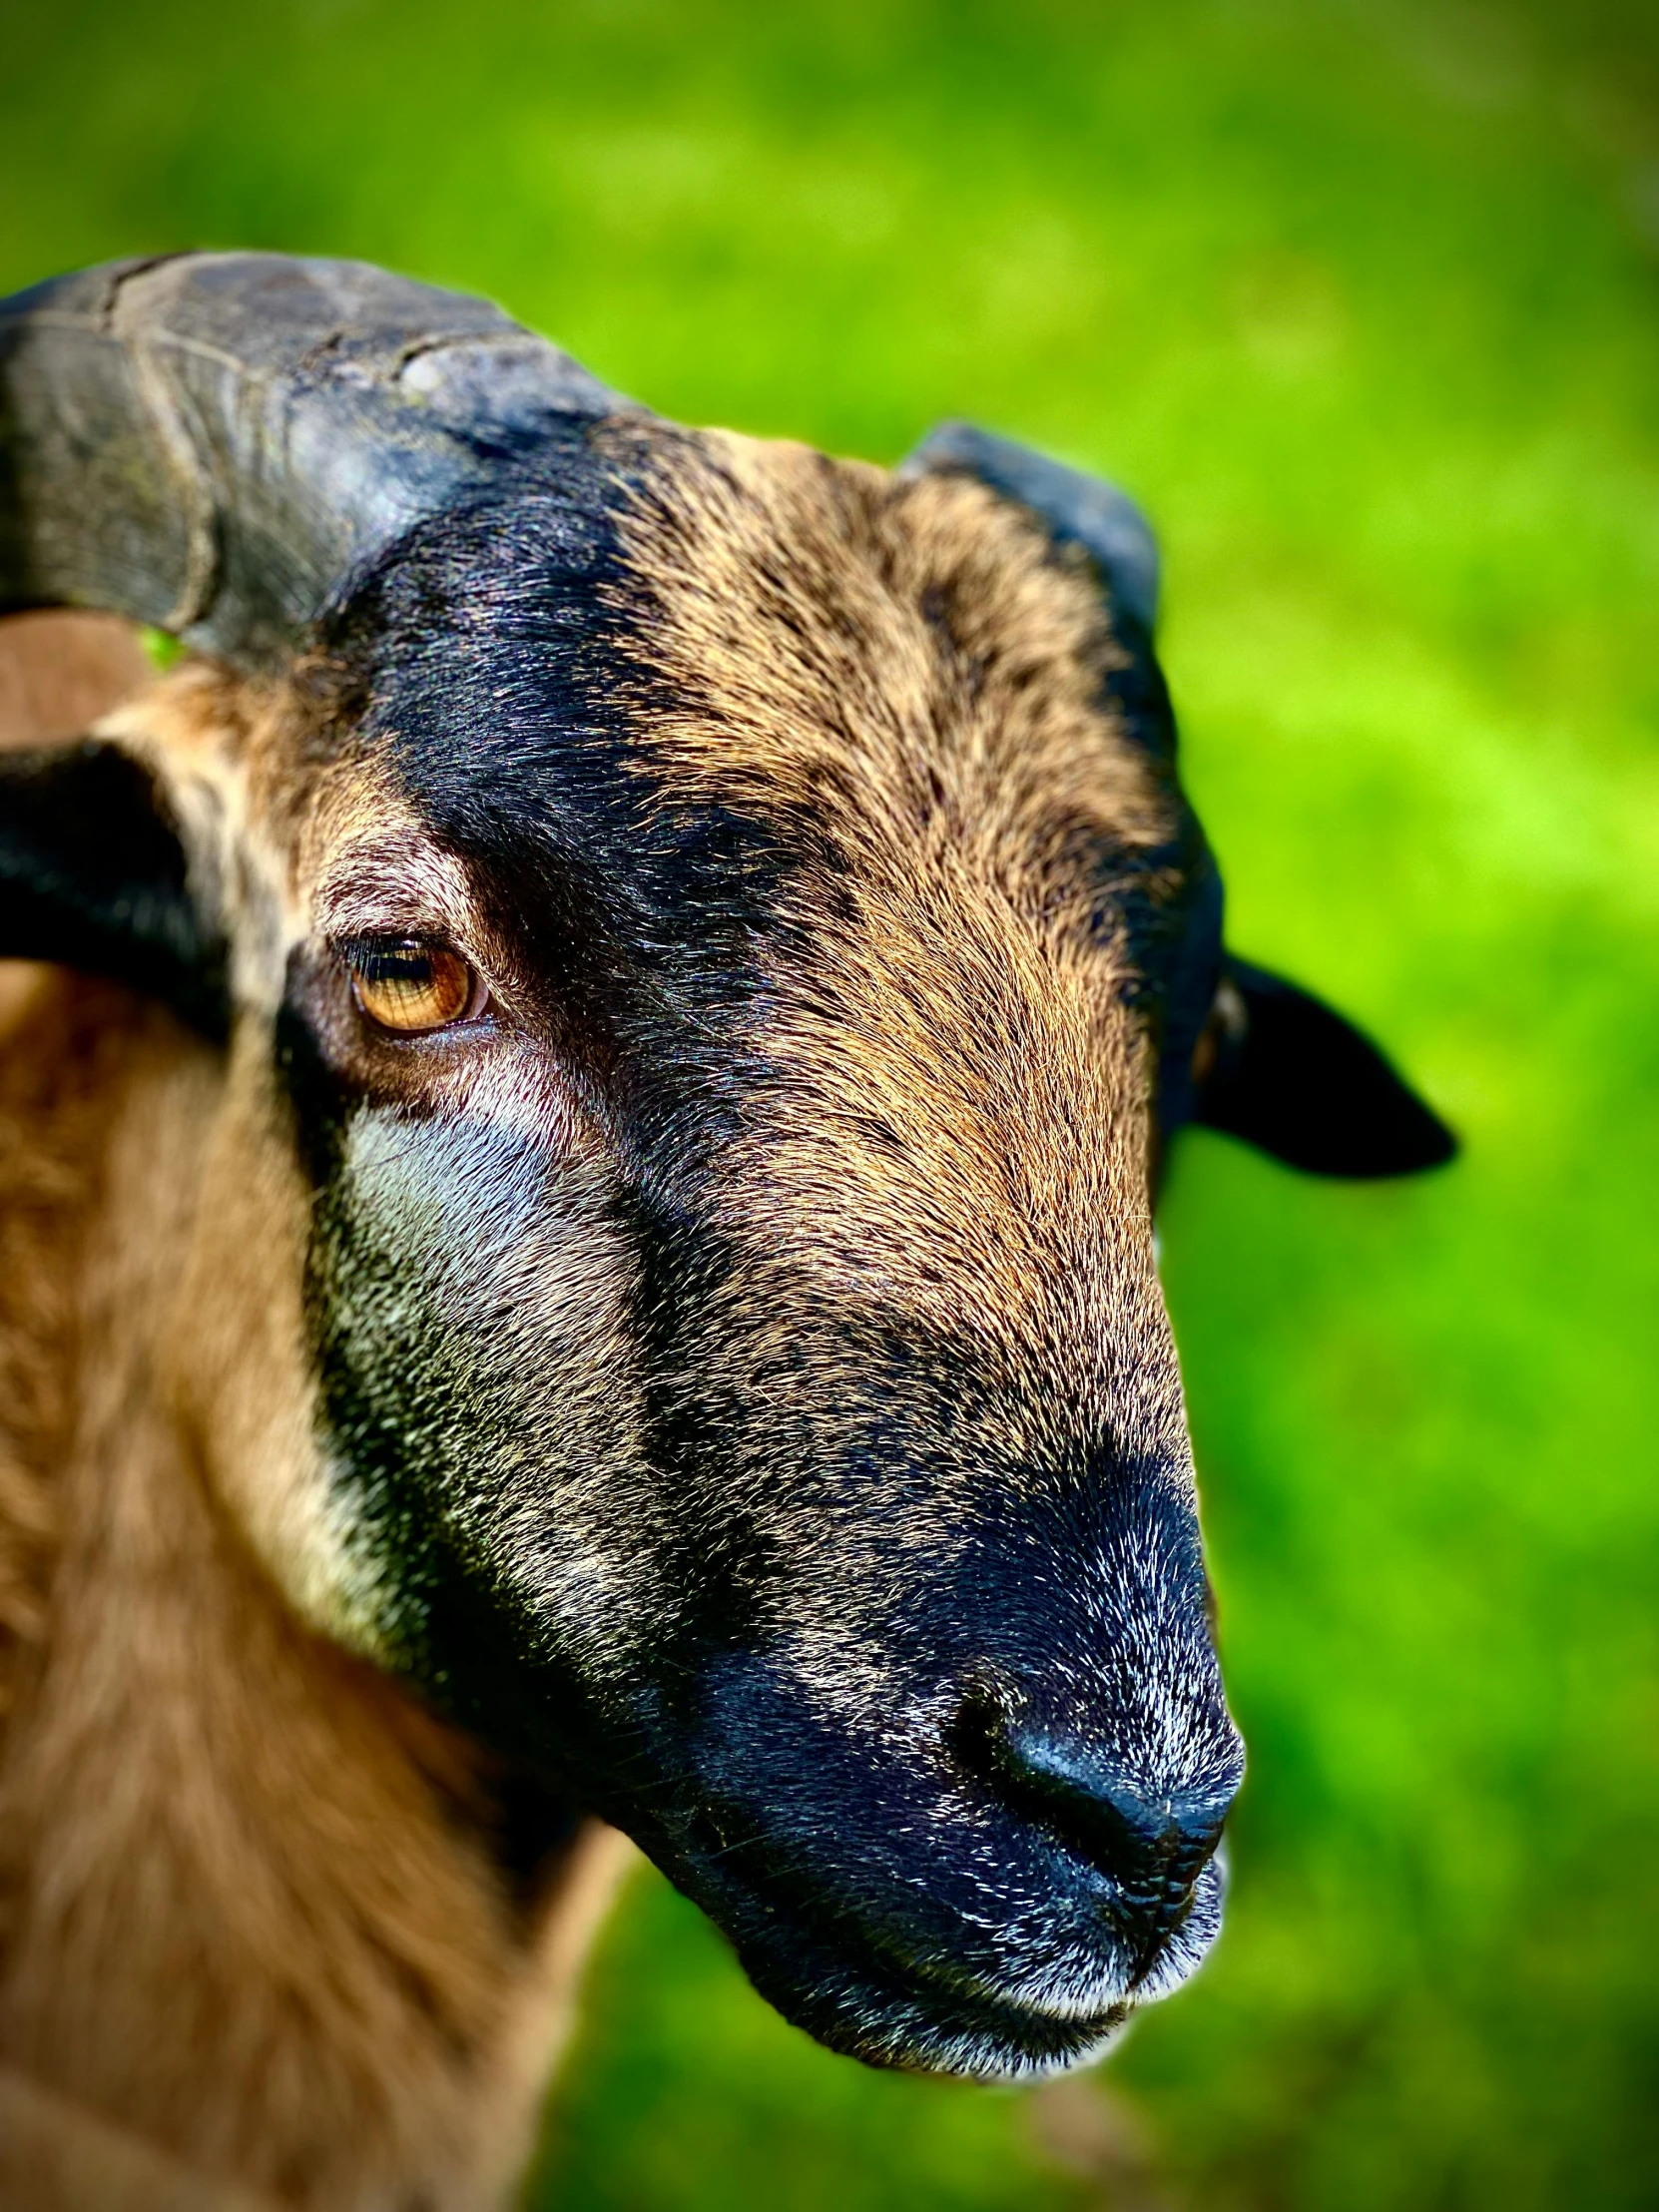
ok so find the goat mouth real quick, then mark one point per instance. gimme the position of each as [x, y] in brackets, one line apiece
[856, 1998]
[866, 1992]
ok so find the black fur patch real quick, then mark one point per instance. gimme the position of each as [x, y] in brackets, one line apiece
[93, 875]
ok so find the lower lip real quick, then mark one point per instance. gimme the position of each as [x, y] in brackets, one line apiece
[843, 1988]
[892, 2016]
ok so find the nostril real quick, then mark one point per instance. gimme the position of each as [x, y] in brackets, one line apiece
[1132, 1832]
[1151, 1844]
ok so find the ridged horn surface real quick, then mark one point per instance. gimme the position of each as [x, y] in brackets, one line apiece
[212, 442]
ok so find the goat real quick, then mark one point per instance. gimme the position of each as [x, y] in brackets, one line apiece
[577, 1240]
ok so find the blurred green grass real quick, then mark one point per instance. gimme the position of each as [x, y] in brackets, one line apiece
[1361, 298]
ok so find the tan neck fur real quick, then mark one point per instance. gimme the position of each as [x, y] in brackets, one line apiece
[253, 1946]
[248, 1905]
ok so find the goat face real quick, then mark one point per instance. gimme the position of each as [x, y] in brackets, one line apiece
[739, 1341]
[719, 933]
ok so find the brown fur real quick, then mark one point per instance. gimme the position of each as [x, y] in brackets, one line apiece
[902, 655]
[60, 672]
[907, 666]
[229, 1854]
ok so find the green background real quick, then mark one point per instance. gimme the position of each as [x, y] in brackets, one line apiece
[1362, 299]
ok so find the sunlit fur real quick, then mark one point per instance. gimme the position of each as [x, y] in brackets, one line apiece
[701, 1394]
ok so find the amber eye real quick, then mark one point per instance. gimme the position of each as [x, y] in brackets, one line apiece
[411, 987]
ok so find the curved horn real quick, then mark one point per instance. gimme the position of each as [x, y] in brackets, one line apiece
[211, 442]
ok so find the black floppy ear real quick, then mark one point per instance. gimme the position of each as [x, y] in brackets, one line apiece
[1297, 1080]
[93, 875]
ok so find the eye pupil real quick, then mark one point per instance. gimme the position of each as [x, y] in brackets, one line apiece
[410, 989]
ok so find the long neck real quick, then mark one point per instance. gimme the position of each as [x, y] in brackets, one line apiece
[251, 1902]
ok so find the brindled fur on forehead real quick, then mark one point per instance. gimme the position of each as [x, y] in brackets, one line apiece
[903, 681]
[893, 657]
